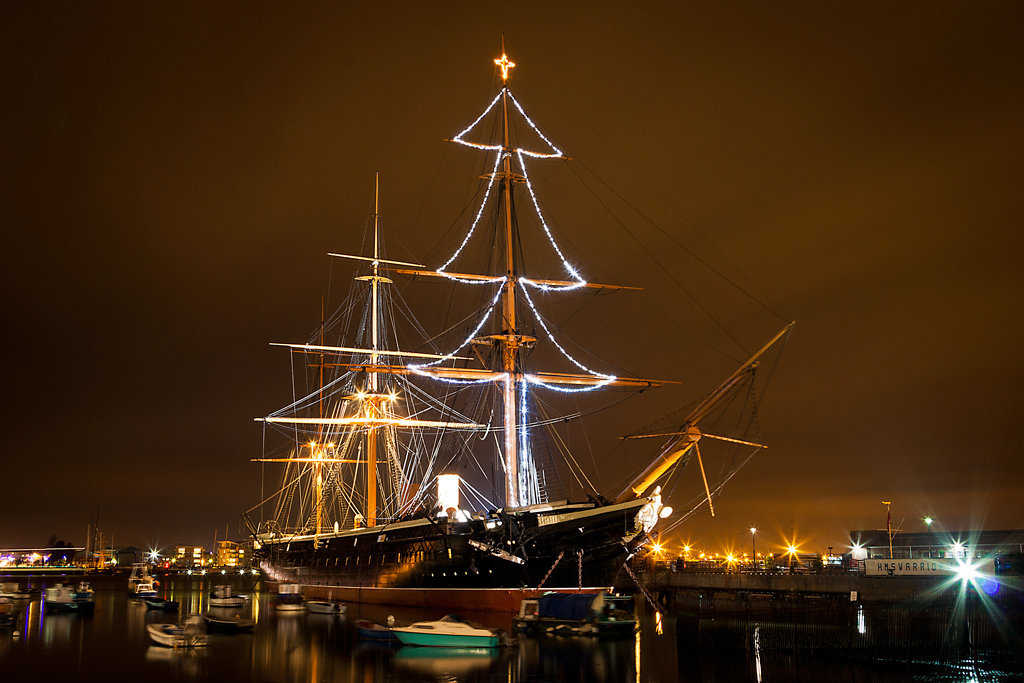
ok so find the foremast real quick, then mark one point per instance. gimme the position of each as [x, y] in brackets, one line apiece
[372, 410]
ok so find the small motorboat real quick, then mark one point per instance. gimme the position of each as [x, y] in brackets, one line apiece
[367, 630]
[326, 606]
[65, 598]
[448, 631]
[228, 623]
[14, 591]
[141, 584]
[289, 598]
[222, 596]
[190, 634]
[161, 604]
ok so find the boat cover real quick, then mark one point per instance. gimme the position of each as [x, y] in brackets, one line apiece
[565, 605]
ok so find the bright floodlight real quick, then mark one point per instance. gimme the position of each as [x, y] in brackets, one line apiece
[928, 521]
[967, 572]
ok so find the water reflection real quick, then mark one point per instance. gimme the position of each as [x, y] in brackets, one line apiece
[444, 661]
[772, 642]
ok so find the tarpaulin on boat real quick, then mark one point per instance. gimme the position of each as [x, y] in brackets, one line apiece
[565, 605]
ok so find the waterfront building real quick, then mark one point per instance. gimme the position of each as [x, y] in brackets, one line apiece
[189, 557]
[232, 555]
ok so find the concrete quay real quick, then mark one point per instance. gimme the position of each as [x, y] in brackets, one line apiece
[839, 585]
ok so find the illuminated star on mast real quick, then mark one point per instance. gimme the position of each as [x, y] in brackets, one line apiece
[505, 65]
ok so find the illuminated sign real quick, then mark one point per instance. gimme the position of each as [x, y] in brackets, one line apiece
[922, 567]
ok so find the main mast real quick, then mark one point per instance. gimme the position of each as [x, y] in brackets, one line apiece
[509, 341]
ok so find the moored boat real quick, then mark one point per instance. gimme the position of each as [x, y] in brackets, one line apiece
[161, 604]
[368, 630]
[189, 634]
[63, 598]
[326, 606]
[289, 598]
[448, 631]
[228, 623]
[13, 590]
[576, 613]
[223, 596]
[141, 584]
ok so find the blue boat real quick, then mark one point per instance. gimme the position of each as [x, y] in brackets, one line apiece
[449, 631]
[368, 630]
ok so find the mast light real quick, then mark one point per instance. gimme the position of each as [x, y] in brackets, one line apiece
[505, 65]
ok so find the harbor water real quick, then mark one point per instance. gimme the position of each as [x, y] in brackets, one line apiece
[770, 644]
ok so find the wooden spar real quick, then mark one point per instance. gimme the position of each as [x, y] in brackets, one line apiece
[473, 374]
[700, 461]
[377, 260]
[690, 434]
[314, 460]
[494, 278]
[350, 349]
[368, 421]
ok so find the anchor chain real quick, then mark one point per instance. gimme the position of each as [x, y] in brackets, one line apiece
[557, 560]
[579, 570]
[643, 590]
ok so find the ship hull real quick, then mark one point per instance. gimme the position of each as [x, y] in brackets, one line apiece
[491, 563]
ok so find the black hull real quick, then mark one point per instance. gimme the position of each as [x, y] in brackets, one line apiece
[447, 563]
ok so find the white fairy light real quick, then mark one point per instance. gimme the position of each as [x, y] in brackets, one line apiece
[547, 231]
[418, 368]
[458, 138]
[472, 227]
[557, 152]
[534, 380]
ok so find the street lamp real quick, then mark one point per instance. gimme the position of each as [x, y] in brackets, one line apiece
[753, 547]
[888, 524]
[928, 522]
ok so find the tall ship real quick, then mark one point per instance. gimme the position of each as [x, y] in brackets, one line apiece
[425, 466]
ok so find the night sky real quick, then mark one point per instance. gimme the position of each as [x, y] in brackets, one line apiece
[173, 175]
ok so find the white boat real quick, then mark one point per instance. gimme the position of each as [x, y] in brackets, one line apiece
[190, 634]
[289, 598]
[13, 591]
[63, 597]
[141, 584]
[449, 631]
[326, 606]
[222, 596]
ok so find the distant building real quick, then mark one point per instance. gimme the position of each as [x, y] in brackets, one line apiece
[130, 555]
[231, 554]
[1004, 546]
[189, 557]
